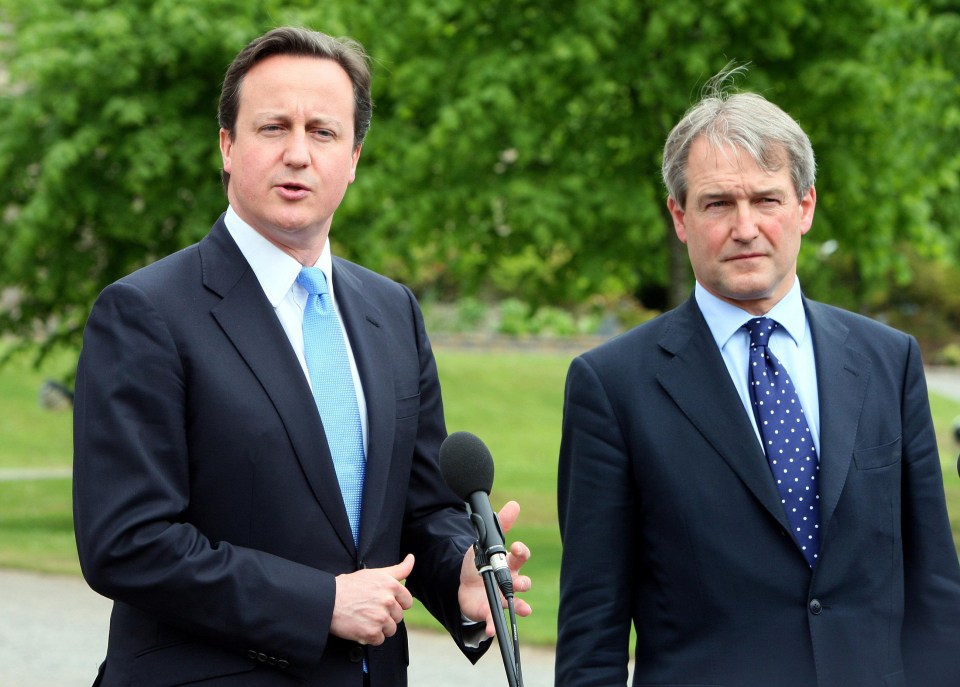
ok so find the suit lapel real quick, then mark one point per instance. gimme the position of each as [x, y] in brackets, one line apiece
[697, 380]
[842, 376]
[362, 321]
[248, 320]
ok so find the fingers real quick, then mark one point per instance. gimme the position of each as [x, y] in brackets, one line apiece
[404, 599]
[472, 594]
[521, 584]
[517, 556]
[401, 570]
[369, 603]
[521, 607]
[508, 515]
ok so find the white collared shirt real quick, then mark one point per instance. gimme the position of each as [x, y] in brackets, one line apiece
[791, 342]
[277, 273]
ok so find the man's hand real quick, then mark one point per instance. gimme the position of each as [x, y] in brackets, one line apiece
[370, 603]
[473, 594]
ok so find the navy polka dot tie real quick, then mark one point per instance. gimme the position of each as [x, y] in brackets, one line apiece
[786, 439]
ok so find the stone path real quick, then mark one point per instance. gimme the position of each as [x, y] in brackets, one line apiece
[53, 633]
[12, 474]
[945, 381]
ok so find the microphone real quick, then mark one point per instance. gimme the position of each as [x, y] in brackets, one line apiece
[467, 468]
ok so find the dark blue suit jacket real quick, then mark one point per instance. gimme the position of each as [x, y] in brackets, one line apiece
[206, 502]
[671, 521]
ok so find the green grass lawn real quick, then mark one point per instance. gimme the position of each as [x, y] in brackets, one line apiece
[32, 436]
[512, 401]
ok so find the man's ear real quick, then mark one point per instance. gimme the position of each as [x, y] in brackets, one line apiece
[678, 215]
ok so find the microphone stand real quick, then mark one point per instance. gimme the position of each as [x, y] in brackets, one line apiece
[511, 663]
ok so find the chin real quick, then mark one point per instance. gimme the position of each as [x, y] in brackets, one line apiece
[292, 222]
[750, 288]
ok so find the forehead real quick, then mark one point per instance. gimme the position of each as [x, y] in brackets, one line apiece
[730, 164]
[286, 79]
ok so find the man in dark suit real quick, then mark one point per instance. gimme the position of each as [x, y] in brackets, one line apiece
[214, 499]
[752, 543]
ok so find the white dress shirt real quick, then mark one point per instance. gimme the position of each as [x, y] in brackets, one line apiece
[791, 342]
[277, 273]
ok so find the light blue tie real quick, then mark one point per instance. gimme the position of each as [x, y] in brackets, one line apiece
[786, 439]
[326, 353]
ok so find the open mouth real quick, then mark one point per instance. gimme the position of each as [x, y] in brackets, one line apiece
[293, 191]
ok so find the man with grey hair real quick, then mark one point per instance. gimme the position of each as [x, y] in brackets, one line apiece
[752, 480]
[258, 423]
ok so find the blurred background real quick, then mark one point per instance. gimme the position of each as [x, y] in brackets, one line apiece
[510, 178]
[511, 175]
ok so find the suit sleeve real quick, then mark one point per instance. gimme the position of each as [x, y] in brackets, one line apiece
[436, 529]
[132, 497]
[931, 632]
[598, 510]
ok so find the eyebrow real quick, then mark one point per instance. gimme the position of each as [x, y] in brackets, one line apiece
[329, 122]
[771, 191]
[317, 120]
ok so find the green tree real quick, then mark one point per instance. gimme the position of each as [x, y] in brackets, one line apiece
[109, 151]
[887, 132]
[527, 159]
[515, 147]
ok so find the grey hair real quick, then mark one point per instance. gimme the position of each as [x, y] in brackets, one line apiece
[748, 122]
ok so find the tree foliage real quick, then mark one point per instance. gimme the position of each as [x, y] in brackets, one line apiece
[109, 151]
[515, 146]
[534, 148]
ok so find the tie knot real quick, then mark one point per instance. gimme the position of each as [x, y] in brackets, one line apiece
[760, 329]
[313, 280]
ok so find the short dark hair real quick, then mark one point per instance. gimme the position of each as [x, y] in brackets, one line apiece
[291, 40]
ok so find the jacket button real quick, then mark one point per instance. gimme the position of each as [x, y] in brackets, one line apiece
[355, 654]
[815, 606]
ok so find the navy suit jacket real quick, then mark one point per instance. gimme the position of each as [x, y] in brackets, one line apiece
[671, 521]
[205, 498]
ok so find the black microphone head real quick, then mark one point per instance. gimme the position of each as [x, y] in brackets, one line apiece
[466, 464]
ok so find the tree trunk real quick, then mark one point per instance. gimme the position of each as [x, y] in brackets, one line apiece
[681, 279]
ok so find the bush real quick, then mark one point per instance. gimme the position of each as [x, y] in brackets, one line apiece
[553, 322]
[949, 355]
[515, 318]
